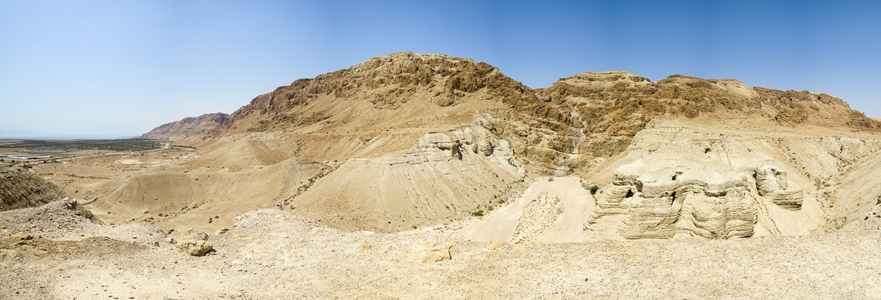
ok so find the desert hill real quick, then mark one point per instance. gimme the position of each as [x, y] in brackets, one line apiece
[410, 140]
[186, 127]
[21, 188]
[383, 105]
[614, 106]
[392, 100]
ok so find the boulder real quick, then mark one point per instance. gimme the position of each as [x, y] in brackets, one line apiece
[196, 248]
[196, 243]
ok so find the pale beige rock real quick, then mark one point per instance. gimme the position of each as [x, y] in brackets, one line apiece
[21, 236]
[495, 245]
[677, 181]
[196, 247]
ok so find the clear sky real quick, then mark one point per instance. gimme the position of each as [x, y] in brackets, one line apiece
[120, 68]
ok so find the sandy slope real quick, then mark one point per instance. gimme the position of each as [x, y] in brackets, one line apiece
[551, 210]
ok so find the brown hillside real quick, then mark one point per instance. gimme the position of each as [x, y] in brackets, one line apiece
[614, 106]
[186, 127]
[381, 106]
[21, 188]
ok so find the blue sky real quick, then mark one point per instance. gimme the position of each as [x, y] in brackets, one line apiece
[120, 68]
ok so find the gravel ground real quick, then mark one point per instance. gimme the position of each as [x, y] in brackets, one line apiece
[272, 254]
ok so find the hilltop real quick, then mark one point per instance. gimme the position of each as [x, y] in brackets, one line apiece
[186, 127]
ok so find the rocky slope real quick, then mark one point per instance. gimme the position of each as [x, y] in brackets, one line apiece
[383, 105]
[186, 127]
[613, 106]
[418, 139]
[21, 188]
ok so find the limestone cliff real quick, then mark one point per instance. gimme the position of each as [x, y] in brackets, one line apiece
[679, 181]
[613, 106]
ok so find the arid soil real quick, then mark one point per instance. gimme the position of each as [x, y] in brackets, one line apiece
[276, 254]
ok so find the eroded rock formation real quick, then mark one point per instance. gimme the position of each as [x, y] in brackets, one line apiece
[711, 203]
[682, 183]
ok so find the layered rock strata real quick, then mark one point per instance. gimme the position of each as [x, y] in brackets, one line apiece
[716, 204]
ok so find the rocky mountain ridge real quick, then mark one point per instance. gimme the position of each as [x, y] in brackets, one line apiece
[186, 127]
[563, 126]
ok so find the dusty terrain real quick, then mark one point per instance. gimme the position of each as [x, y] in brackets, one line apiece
[276, 254]
[422, 175]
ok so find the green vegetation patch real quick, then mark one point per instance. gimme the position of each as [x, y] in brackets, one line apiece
[118, 145]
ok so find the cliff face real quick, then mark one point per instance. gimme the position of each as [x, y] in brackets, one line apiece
[186, 127]
[614, 106]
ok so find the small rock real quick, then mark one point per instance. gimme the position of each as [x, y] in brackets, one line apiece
[365, 246]
[495, 245]
[196, 248]
[433, 256]
[21, 236]
[438, 253]
[170, 240]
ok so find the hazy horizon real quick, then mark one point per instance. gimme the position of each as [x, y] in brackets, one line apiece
[119, 69]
